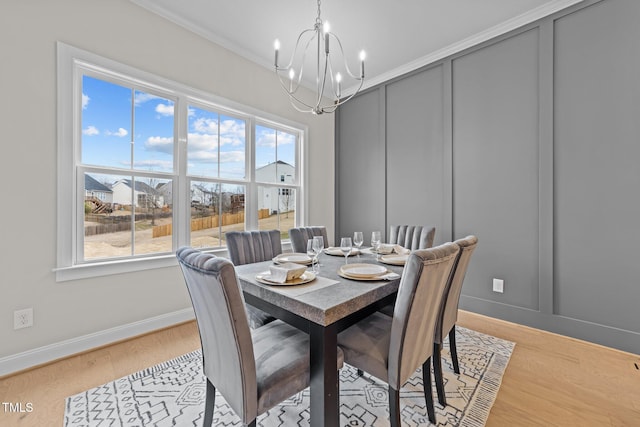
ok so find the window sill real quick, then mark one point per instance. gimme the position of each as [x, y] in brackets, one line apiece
[106, 268]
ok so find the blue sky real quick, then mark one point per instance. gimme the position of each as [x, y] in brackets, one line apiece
[216, 143]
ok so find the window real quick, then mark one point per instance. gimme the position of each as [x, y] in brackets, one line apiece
[148, 165]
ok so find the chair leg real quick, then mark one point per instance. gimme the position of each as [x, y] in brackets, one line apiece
[452, 348]
[210, 404]
[394, 407]
[428, 396]
[437, 373]
[252, 424]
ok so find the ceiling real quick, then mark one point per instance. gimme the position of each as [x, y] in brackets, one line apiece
[398, 36]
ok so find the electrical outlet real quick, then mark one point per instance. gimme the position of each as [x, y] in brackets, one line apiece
[498, 285]
[23, 318]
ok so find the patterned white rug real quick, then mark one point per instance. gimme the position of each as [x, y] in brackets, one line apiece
[173, 393]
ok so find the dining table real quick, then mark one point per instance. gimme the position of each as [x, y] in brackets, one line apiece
[322, 308]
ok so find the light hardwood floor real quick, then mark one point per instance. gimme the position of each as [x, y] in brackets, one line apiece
[551, 380]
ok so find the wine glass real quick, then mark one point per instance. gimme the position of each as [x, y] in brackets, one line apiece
[358, 240]
[375, 241]
[345, 247]
[312, 253]
[318, 246]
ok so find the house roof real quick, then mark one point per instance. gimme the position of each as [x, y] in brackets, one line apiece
[141, 187]
[92, 184]
[277, 162]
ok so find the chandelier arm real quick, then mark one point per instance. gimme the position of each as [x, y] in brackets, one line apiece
[332, 108]
[346, 63]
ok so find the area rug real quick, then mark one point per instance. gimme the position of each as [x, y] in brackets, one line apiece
[173, 393]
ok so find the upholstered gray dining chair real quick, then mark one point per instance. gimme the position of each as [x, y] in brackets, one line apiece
[246, 247]
[392, 348]
[412, 236]
[253, 369]
[449, 313]
[300, 235]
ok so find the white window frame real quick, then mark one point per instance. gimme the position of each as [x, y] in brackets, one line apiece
[70, 186]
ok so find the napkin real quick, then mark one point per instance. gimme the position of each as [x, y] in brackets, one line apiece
[387, 248]
[285, 272]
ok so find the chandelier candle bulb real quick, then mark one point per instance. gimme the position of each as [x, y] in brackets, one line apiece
[363, 55]
[327, 28]
[276, 46]
[338, 80]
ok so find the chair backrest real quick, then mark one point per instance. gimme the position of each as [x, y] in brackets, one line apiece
[449, 315]
[417, 309]
[246, 247]
[227, 349]
[300, 235]
[412, 236]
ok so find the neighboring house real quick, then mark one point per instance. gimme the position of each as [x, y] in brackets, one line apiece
[166, 190]
[273, 198]
[93, 189]
[144, 196]
[202, 196]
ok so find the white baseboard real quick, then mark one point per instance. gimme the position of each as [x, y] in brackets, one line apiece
[49, 353]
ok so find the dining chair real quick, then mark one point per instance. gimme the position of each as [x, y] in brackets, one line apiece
[449, 313]
[412, 236]
[253, 370]
[392, 348]
[247, 247]
[300, 235]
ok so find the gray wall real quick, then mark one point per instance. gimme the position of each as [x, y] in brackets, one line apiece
[530, 142]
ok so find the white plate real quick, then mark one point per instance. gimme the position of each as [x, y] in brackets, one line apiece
[306, 277]
[394, 259]
[296, 257]
[337, 252]
[363, 271]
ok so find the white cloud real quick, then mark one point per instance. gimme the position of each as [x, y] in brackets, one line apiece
[85, 101]
[164, 109]
[205, 125]
[160, 143]
[121, 132]
[231, 156]
[142, 97]
[90, 131]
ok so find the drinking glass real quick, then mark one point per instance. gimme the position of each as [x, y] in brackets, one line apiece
[345, 247]
[312, 253]
[318, 246]
[358, 240]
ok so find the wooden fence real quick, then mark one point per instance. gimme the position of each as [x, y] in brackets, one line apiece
[208, 222]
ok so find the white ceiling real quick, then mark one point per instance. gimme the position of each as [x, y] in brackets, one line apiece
[398, 36]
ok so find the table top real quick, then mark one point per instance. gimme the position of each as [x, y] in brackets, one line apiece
[327, 299]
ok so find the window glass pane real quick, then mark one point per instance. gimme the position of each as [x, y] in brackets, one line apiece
[232, 208]
[202, 143]
[153, 216]
[106, 123]
[153, 133]
[286, 146]
[265, 154]
[276, 209]
[107, 217]
[232, 147]
[275, 155]
[215, 209]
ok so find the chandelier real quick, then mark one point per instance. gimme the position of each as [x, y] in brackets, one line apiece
[328, 77]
